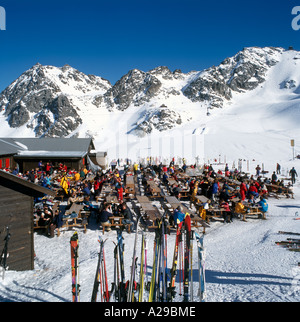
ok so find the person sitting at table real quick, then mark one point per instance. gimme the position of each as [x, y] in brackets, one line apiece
[104, 217]
[86, 190]
[177, 217]
[240, 208]
[148, 190]
[176, 191]
[55, 223]
[263, 205]
[46, 217]
[73, 199]
[127, 218]
[251, 200]
[227, 214]
[253, 190]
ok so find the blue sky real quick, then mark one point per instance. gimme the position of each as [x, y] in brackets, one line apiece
[108, 38]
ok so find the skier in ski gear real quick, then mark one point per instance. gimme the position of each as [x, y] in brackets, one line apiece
[293, 174]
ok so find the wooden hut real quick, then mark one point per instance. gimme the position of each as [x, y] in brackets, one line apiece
[16, 212]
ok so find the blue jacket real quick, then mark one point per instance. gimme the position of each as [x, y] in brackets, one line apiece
[263, 205]
[215, 188]
[178, 215]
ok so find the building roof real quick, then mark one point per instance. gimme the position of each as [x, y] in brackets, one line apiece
[21, 185]
[8, 147]
[46, 147]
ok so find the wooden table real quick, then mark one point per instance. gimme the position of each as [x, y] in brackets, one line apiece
[150, 211]
[111, 199]
[116, 221]
[174, 202]
[156, 191]
[252, 210]
[71, 222]
[214, 212]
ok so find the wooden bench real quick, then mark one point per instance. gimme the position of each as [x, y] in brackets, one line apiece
[37, 227]
[274, 190]
[60, 194]
[116, 221]
[214, 213]
[80, 221]
[251, 211]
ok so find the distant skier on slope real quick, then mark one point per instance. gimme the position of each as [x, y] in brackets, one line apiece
[293, 174]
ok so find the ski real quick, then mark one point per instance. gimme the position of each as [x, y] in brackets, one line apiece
[142, 270]
[294, 249]
[164, 263]
[294, 239]
[288, 233]
[130, 294]
[191, 264]
[121, 286]
[155, 276]
[4, 253]
[106, 292]
[201, 266]
[74, 267]
[187, 225]
[173, 273]
[152, 281]
[98, 272]
[115, 285]
[288, 242]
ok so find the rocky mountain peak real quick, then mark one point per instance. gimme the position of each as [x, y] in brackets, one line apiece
[54, 101]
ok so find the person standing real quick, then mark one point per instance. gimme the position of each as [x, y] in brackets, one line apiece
[293, 174]
[243, 190]
[278, 168]
[258, 168]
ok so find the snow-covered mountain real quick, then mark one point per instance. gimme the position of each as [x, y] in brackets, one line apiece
[48, 99]
[256, 91]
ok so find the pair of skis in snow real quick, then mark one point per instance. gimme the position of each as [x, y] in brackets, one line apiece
[157, 288]
[4, 254]
[185, 228]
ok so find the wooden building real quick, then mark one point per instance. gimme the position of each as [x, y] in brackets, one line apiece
[7, 152]
[16, 213]
[28, 152]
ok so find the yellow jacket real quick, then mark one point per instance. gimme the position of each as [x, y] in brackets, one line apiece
[64, 184]
[239, 208]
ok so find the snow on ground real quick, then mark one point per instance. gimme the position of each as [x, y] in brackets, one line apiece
[242, 261]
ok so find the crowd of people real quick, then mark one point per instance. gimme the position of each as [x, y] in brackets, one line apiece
[83, 187]
[222, 187]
